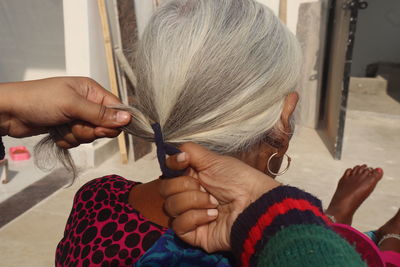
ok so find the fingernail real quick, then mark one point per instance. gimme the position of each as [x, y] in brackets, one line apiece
[202, 189]
[213, 200]
[181, 157]
[379, 170]
[212, 212]
[123, 116]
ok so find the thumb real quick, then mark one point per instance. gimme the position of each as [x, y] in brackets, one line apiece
[199, 157]
[98, 115]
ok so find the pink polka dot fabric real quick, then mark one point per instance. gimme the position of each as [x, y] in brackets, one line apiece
[103, 229]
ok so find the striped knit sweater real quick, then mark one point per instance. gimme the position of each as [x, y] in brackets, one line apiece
[286, 227]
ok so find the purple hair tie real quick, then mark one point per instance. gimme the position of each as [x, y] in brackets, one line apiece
[163, 150]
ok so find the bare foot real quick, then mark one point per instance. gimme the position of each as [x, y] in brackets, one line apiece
[391, 227]
[353, 188]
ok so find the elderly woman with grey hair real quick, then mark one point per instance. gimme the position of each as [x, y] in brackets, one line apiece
[219, 73]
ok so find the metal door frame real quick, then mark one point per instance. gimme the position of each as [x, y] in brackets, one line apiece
[341, 30]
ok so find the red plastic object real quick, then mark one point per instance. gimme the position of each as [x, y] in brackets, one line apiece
[19, 153]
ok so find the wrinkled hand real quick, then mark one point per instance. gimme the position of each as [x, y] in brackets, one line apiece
[234, 185]
[74, 107]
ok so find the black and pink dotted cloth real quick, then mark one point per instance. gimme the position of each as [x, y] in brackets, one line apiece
[103, 229]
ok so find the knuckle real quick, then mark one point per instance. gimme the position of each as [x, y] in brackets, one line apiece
[85, 82]
[194, 216]
[167, 206]
[64, 144]
[81, 132]
[87, 79]
[102, 112]
[187, 219]
[186, 183]
[114, 133]
[194, 197]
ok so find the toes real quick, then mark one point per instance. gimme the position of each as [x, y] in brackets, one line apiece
[378, 173]
[361, 169]
[366, 172]
[347, 173]
[355, 169]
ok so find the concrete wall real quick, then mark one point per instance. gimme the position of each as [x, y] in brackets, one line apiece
[311, 33]
[293, 7]
[31, 39]
[377, 36]
[84, 45]
[307, 19]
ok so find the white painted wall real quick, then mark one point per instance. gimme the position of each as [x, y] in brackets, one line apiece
[85, 56]
[144, 10]
[84, 45]
[377, 35]
[31, 39]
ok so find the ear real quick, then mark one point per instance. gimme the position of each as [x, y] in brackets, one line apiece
[289, 107]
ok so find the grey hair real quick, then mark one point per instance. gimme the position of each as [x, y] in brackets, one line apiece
[48, 154]
[213, 72]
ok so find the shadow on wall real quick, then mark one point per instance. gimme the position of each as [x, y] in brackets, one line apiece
[377, 36]
[32, 39]
[391, 73]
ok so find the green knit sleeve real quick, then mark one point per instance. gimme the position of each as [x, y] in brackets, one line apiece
[308, 246]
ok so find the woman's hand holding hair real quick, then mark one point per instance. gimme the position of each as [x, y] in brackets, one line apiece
[76, 107]
[231, 182]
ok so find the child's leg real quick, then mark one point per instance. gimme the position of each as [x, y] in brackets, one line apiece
[389, 235]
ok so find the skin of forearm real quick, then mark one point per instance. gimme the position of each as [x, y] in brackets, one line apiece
[8, 101]
[4, 108]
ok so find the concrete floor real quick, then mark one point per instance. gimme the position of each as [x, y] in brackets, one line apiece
[30, 240]
[378, 94]
[377, 103]
[22, 173]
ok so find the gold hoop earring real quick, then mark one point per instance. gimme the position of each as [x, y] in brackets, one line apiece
[289, 159]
